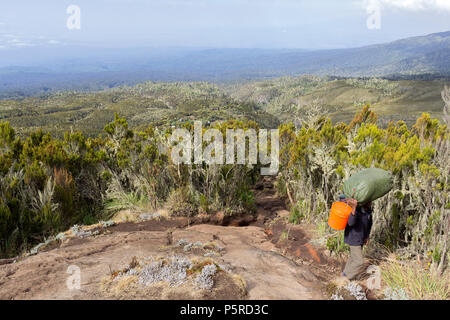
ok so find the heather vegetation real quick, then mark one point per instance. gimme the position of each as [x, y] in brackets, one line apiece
[158, 104]
[266, 102]
[387, 88]
[48, 184]
[289, 98]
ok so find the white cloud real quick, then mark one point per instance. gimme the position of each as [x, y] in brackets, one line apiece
[413, 5]
[8, 41]
[23, 44]
[16, 42]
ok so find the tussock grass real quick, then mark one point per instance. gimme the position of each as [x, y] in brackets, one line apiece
[419, 283]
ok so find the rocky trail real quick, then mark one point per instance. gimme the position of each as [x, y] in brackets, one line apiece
[258, 256]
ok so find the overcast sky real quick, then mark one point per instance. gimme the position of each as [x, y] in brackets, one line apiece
[310, 24]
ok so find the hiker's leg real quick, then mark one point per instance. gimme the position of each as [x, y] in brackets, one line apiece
[348, 267]
[355, 263]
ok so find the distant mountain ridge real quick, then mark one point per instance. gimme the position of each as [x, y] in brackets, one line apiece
[107, 68]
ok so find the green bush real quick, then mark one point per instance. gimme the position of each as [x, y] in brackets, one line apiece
[47, 184]
[335, 244]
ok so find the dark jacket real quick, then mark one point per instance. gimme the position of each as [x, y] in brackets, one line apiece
[358, 227]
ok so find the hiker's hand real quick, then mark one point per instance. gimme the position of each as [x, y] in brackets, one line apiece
[353, 203]
[366, 242]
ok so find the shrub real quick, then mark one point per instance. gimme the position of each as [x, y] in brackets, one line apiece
[180, 203]
[48, 185]
[335, 243]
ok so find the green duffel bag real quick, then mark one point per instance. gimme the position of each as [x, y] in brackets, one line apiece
[368, 185]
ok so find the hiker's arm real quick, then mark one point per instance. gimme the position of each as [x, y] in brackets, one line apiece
[352, 219]
[369, 226]
[353, 203]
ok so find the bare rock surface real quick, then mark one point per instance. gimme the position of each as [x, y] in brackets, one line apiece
[268, 274]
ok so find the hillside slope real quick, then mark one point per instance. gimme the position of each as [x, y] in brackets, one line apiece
[266, 102]
[290, 98]
[70, 69]
[162, 104]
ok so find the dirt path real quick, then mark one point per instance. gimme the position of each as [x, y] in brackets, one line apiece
[275, 260]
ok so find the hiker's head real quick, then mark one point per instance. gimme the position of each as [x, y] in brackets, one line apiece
[342, 197]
